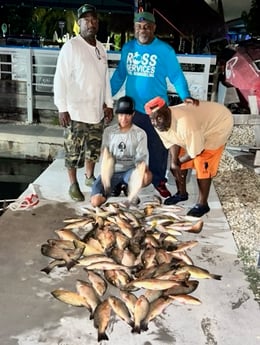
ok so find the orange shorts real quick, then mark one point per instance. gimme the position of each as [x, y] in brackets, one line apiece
[206, 164]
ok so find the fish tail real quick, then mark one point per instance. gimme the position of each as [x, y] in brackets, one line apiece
[144, 326]
[131, 323]
[71, 263]
[102, 336]
[216, 276]
[136, 329]
[46, 270]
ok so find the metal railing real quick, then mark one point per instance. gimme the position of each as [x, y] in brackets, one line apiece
[35, 67]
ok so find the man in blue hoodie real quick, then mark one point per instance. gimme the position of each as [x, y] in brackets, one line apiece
[146, 63]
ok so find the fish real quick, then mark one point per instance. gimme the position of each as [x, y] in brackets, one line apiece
[73, 220]
[141, 309]
[198, 272]
[122, 240]
[66, 234]
[156, 308]
[187, 288]
[171, 275]
[162, 256]
[148, 257]
[59, 254]
[182, 246]
[152, 295]
[94, 258]
[63, 244]
[153, 284]
[106, 237]
[107, 168]
[98, 282]
[120, 279]
[105, 265]
[125, 227]
[52, 264]
[87, 291]
[186, 299]
[182, 256]
[70, 297]
[102, 316]
[92, 247]
[167, 230]
[151, 241]
[128, 258]
[129, 299]
[130, 216]
[197, 227]
[136, 181]
[120, 309]
[80, 223]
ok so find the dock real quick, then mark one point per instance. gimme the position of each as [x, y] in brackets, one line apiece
[30, 315]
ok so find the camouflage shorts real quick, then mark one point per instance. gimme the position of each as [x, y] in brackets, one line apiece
[82, 141]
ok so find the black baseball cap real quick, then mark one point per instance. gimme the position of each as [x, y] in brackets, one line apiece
[86, 8]
[125, 105]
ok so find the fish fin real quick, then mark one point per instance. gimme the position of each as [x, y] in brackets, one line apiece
[102, 336]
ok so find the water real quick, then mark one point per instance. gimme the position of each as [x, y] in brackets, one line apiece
[16, 175]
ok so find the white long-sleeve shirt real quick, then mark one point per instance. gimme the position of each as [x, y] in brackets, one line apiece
[81, 81]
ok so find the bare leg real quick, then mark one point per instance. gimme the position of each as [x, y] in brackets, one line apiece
[72, 172]
[89, 166]
[181, 184]
[204, 188]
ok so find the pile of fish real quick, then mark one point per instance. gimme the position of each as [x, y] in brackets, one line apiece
[137, 250]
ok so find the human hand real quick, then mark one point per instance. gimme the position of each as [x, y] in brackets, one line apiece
[108, 114]
[175, 168]
[64, 119]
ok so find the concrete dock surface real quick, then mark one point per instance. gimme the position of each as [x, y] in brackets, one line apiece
[30, 315]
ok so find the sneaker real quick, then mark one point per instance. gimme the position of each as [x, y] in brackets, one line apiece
[75, 193]
[162, 189]
[174, 199]
[89, 181]
[120, 188]
[198, 210]
[124, 189]
[117, 190]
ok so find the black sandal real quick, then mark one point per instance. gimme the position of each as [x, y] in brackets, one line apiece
[174, 199]
[198, 210]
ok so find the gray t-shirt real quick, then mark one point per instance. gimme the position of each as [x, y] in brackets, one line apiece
[128, 148]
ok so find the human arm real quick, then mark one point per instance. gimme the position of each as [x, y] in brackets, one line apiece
[108, 114]
[176, 161]
[61, 78]
[108, 104]
[119, 75]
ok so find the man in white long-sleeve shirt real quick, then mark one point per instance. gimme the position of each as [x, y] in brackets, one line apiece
[82, 95]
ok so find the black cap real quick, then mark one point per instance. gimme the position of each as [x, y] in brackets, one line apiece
[86, 8]
[125, 105]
